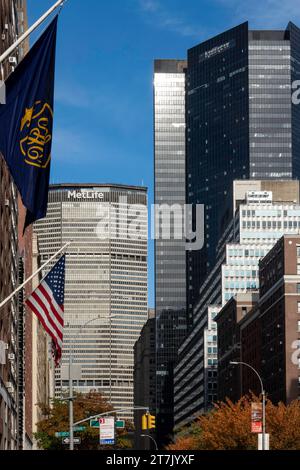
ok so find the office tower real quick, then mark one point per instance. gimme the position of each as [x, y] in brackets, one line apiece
[144, 379]
[241, 124]
[9, 263]
[262, 215]
[265, 336]
[170, 256]
[106, 283]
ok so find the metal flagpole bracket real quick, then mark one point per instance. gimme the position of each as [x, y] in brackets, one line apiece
[22, 38]
[5, 301]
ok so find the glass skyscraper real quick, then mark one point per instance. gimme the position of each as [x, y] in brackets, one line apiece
[241, 124]
[170, 260]
[106, 283]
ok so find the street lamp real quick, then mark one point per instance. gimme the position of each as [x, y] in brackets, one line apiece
[152, 439]
[263, 399]
[71, 411]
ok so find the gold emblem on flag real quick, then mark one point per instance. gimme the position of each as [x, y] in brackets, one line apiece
[36, 127]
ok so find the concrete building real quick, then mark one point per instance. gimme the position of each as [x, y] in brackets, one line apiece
[229, 343]
[275, 323]
[106, 283]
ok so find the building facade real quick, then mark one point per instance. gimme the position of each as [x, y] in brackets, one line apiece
[241, 124]
[144, 379]
[229, 344]
[10, 417]
[263, 331]
[276, 324]
[106, 283]
[265, 213]
[170, 255]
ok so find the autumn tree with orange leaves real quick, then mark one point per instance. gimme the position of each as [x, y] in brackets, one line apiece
[56, 418]
[228, 427]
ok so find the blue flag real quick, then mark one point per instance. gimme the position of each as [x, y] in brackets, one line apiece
[26, 122]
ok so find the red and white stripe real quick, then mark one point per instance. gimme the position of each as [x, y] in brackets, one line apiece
[48, 312]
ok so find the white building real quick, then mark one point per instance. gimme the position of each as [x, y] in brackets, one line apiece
[106, 283]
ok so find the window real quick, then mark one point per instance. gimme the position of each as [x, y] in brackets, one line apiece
[298, 288]
[298, 307]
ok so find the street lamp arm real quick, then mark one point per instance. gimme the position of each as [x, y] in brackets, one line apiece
[254, 370]
[152, 439]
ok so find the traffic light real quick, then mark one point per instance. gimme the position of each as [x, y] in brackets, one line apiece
[148, 421]
[145, 422]
[151, 421]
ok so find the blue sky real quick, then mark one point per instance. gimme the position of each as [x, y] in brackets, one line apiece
[103, 95]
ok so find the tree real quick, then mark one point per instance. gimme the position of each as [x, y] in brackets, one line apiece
[56, 418]
[228, 427]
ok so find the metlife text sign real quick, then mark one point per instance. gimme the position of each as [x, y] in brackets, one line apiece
[85, 195]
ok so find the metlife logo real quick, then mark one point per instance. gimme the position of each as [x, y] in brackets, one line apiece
[83, 195]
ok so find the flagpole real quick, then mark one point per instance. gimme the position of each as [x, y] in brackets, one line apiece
[30, 30]
[4, 302]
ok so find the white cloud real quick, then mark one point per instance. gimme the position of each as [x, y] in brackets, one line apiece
[267, 14]
[73, 95]
[158, 15]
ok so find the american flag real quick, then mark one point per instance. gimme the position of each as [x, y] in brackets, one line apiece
[47, 302]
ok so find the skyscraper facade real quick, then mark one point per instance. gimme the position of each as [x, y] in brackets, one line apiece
[241, 124]
[106, 283]
[170, 261]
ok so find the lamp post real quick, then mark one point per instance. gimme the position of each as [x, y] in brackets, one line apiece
[263, 399]
[71, 396]
[152, 439]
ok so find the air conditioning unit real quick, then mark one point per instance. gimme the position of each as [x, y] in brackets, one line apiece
[3, 36]
[6, 203]
[12, 60]
[6, 26]
[11, 356]
[5, 346]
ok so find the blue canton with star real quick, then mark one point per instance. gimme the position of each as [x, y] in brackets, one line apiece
[56, 280]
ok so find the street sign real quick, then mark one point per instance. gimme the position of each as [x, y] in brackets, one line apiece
[107, 430]
[267, 441]
[67, 434]
[79, 428]
[66, 440]
[256, 417]
[120, 424]
[94, 423]
[62, 434]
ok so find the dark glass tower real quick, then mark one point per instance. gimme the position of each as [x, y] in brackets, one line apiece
[241, 124]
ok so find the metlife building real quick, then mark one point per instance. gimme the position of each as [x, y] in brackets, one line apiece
[106, 283]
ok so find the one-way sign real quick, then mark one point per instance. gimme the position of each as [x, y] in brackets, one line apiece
[66, 440]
